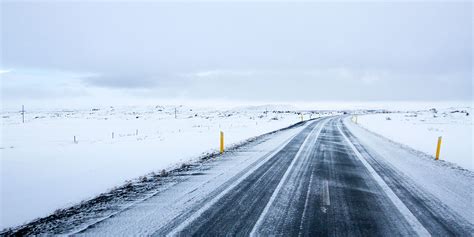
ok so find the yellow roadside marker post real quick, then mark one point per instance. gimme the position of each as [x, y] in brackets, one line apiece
[302, 117]
[222, 142]
[438, 147]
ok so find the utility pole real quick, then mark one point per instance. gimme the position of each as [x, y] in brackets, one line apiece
[175, 115]
[23, 113]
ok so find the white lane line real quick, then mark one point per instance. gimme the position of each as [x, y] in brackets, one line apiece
[411, 219]
[285, 177]
[199, 212]
[325, 196]
[306, 202]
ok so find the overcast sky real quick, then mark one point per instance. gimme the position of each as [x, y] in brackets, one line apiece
[241, 51]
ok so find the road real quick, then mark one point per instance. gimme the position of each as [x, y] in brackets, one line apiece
[321, 182]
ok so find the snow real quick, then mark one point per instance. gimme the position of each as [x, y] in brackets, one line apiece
[420, 130]
[42, 169]
[447, 182]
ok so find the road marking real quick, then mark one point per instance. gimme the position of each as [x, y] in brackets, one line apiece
[306, 202]
[324, 210]
[325, 196]
[411, 219]
[285, 176]
[199, 212]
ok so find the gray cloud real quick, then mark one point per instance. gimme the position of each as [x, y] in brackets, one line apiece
[244, 50]
[136, 81]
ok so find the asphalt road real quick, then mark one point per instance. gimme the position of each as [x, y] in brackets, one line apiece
[323, 183]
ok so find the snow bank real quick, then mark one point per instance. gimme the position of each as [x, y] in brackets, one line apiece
[420, 130]
[42, 169]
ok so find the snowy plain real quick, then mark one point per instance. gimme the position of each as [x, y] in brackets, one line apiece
[43, 169]
[420, 130]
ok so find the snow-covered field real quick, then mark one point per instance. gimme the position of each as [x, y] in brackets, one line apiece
[43, 169]
[420, 130]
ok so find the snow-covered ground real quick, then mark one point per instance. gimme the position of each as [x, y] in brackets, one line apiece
[420, 130]
[43, 169]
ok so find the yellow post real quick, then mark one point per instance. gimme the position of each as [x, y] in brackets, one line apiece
[356, 119]
[302, 117]
[222, 142]
[438, 148]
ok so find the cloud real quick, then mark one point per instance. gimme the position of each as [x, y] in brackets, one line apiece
[370, 78]
[39, 84]
[243, 50]
[366, 76]
[129, 81]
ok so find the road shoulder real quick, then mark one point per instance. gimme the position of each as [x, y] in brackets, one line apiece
[450, 185]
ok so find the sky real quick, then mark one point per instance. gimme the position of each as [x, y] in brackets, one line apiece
[71, 53]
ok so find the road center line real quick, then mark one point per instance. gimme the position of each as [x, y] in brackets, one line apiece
[411, 219]
[325, 196]
[285, 177]
[306, 202]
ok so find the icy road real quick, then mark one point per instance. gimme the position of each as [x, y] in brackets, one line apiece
[316, 179]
